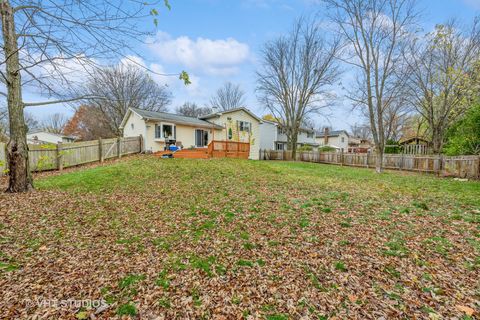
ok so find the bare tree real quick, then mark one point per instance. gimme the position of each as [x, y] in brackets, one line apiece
[191, 109]
[54, 123]
[442, 66]
[361, 131]
[47, 44]
[30, 121]
[395, 116]
[122, 87]
[297, 72]
[375, 32]
[229, 96]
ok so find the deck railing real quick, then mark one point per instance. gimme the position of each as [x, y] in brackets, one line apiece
[229, 149]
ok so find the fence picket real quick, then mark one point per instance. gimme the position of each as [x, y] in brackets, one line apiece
[51, 157]
[460, 166]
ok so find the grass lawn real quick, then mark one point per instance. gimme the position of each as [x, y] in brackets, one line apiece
[232, 239]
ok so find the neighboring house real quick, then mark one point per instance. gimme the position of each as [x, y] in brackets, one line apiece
[273, 136]
[358, 145]
[238, 124]
[337, 139]
[160, 129]
[44, 137]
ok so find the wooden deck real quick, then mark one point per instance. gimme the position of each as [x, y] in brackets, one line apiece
[216, 149]
[197, 153]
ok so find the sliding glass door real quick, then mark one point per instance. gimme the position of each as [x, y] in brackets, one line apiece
[201, 138]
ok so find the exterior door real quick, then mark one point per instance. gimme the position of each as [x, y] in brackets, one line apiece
[201, 138]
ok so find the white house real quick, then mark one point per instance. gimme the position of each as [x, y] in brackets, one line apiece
[337, 139]
[44, 137]
[273, 136]
[160, 129]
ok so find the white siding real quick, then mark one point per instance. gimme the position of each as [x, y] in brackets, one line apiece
[340, 141]
[134, 127]
[303, 138]
[268, 135]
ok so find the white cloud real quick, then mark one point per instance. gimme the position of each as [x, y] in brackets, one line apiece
[473, 3]
[213, 57]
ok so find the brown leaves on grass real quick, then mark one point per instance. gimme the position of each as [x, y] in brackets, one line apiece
[227, 239]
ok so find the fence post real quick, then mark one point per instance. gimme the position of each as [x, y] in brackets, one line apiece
[368, 166]
[100, 150]
[119, 147]
[478, 168]
[59, 156]
[401, 161]
[440, 164]
[341, 158]
[140, 138]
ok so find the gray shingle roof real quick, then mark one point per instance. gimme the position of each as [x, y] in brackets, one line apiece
[333, 133]
[175, 118]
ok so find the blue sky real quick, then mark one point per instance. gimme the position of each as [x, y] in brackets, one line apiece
[219, 40]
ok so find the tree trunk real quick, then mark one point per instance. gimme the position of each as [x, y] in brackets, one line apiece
[20, 178]
[437, 142]
[293, 143]
[379, 160]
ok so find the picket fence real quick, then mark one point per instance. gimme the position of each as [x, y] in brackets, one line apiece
[62, 155]
[459, 166]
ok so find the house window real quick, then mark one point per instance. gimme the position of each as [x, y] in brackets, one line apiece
[343, 139]
[158, 131]
[133, 126]
[279, 146]
[280, 130]
[167, 130]
[244, 126]
[309, 134]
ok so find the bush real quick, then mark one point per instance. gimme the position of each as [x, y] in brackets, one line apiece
[327, 149]
[305, 148]
[392, 147]
[463, 138]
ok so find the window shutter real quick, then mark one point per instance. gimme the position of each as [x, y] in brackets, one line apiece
[174, 132]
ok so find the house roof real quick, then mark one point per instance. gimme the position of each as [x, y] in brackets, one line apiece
[36, 131]
[405, 140]
[279, 124]
[333, 133]
[217, 114]
[169, 117]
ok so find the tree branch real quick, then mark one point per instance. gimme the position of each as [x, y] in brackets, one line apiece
[44, 103]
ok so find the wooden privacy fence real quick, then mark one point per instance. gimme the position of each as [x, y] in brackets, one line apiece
[63, 155]
[229, 149]
[461, 166]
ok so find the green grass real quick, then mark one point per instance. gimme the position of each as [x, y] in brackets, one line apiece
[183, 238]
[137, 173]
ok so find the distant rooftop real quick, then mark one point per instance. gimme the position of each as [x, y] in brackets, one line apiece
[333, 133]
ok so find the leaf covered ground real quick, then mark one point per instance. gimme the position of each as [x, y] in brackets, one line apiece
[230, 239]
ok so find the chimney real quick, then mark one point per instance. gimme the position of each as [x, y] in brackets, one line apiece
[215, 109]
[325, 138]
